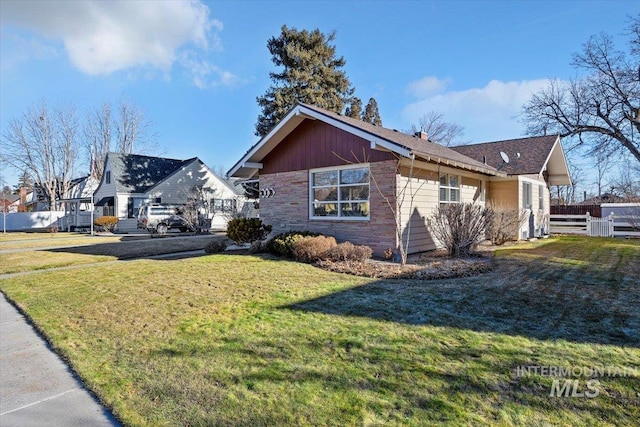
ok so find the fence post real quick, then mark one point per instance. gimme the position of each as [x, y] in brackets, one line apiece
[588, 217]
[611, 226]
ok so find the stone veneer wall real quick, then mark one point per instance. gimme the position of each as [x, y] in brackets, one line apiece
[288, 209]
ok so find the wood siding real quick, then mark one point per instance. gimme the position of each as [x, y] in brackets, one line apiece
[425, 188]
[315, 144]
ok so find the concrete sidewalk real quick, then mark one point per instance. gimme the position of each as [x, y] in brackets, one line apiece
[36, 386]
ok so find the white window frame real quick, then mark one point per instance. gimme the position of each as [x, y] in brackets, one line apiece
[338, 185]
[541, 197]
[449, 188]
[527, 195]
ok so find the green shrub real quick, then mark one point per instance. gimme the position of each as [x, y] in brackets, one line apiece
[247, 230]
[282, 244]
[311, 249]
[107, 223]
[347, 251]
[215, 246]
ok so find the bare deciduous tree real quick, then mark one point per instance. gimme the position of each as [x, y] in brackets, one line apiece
[43, 143]
[567, 194]
[601, 110]
[198, 208]
[126, 131]
[438, 130]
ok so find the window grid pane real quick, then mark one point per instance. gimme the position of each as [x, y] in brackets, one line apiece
[341, 193]
[449, 188]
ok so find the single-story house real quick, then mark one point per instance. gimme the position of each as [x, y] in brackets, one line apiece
[131, 180]
[324, 172]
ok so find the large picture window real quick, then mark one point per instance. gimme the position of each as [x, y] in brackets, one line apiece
[449, 188]
[339, 193]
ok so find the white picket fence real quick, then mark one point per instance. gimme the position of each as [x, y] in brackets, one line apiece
[611, 226]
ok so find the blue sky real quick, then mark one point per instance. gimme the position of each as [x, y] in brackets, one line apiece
[196, 68]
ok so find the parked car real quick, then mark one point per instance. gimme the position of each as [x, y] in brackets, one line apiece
[160, 218]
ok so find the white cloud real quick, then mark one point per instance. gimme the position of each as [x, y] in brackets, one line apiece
[487, 113]
[207, 76]
[102, 37]
[427, 86]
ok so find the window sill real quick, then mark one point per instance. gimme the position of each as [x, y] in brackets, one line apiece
[343, 218]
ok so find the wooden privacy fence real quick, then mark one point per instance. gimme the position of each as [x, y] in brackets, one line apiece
[611, 226]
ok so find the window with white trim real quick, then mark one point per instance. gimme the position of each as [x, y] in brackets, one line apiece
[527, 197]
[339, 193]
[449, 188]
[541, 197]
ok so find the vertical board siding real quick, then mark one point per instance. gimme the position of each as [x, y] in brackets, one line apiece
[315, 144]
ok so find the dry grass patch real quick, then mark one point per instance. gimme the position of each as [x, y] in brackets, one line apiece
[16, 262]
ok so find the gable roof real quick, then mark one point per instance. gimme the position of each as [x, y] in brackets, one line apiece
[532, 152]
[133, 173]
[530, 155]
[379, 137]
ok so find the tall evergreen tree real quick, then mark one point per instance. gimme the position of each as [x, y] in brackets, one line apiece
[371, 114]
[355, 109]
[23, 181]
[312, 74]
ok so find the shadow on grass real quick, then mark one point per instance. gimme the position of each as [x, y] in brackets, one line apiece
[141, 248]
[535, 298]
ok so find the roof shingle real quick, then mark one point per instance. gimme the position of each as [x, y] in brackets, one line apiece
[134, 173]
[526, 155]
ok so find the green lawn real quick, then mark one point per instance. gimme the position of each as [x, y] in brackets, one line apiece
[252, 340]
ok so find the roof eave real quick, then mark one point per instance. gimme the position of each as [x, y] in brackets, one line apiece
[246, 166]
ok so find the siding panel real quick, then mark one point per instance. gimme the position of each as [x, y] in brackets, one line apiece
[315, 144]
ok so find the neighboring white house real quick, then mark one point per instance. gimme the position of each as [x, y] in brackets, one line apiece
[78, 204]
[131, 180]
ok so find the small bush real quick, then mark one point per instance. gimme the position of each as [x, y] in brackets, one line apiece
[459, 227]
[388, 253]
[311, 249]
[347, 251]
[215, 246]
[107, 223]
[247, 230]
[505, 223]
[282, 244]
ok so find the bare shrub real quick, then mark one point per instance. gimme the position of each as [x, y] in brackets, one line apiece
[311, 249]
[459, 227]
[504, 224]
[347, 251]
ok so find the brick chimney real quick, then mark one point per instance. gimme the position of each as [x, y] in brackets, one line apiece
[422, 135]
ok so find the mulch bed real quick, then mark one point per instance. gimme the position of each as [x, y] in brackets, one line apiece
[423, 268]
